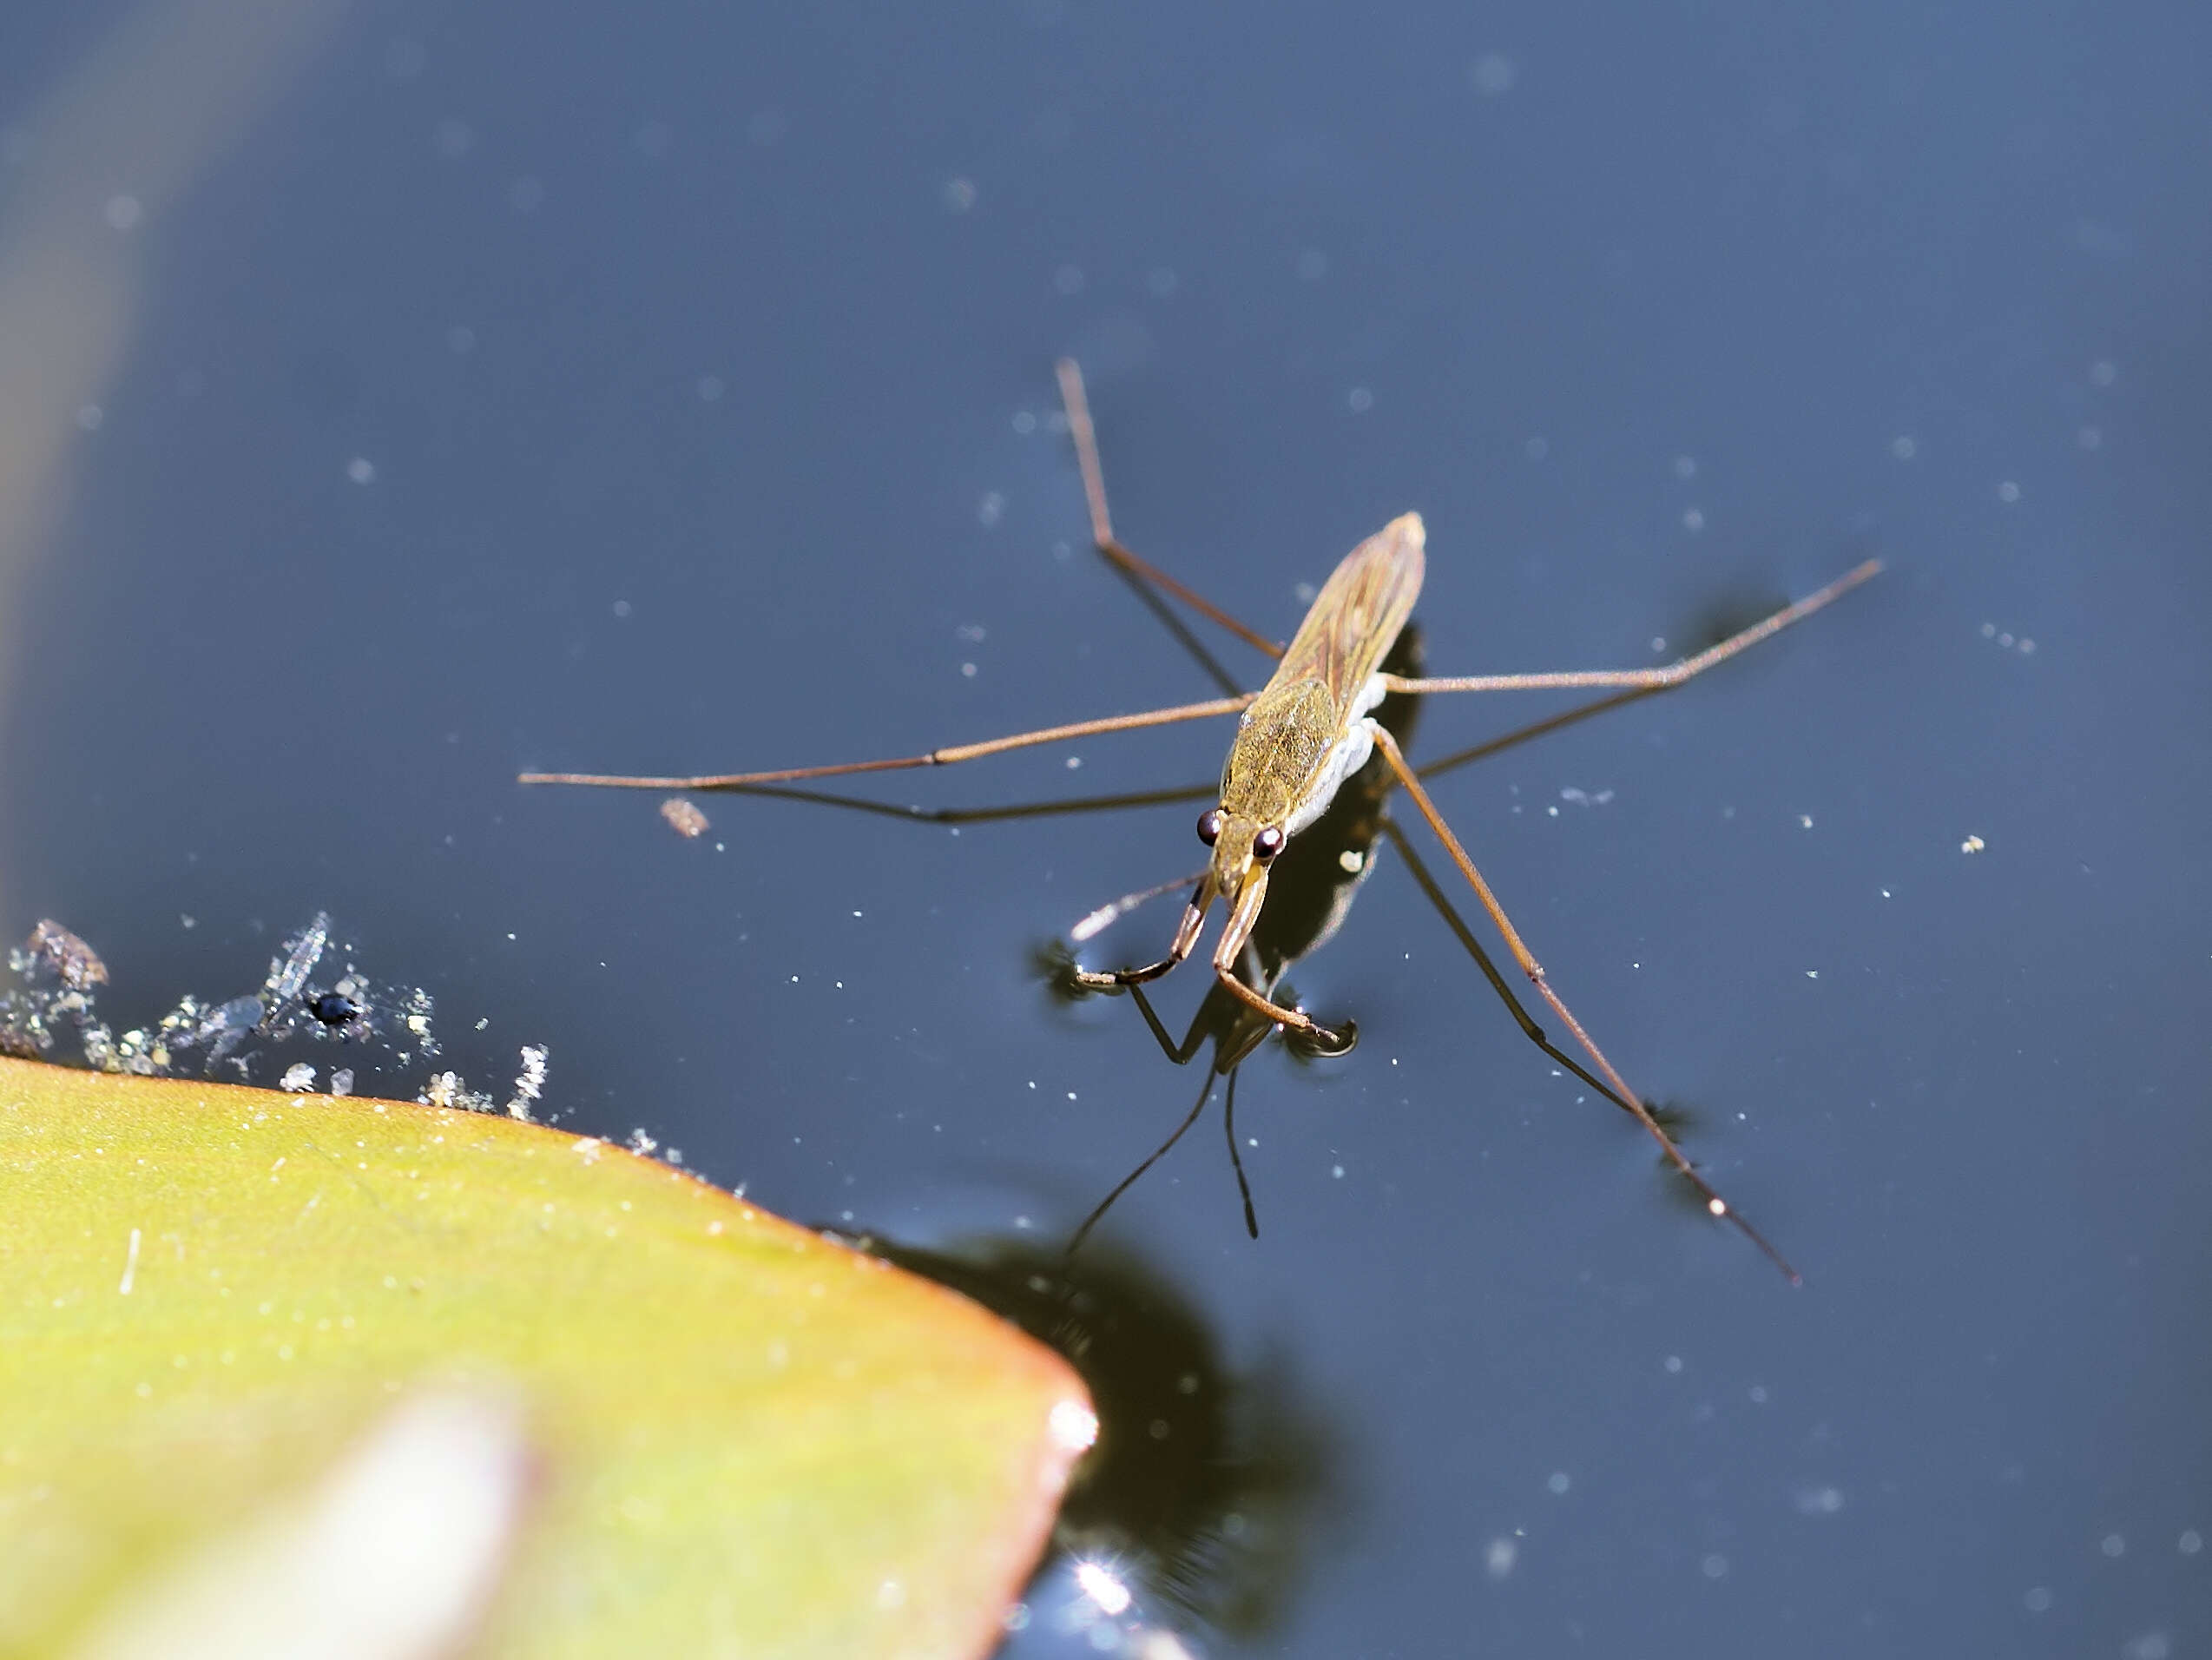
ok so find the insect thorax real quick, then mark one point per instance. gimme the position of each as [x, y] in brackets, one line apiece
[1282, 741]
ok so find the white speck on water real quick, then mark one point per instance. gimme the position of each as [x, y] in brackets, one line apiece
[361, 470]
[959, 195]
[1903, 448]
[1812, 973]
[1073, 762]
[1305, 593]
[1820, 1501]
[1560, 1481]
[1024, 423]
[2090, 437]
[1805, 820]
[2190, 1542]
[1758, 1395]
[2038, 1601]
[2008, 491]
[1885, 893]
[1361, 400]
[991, 510]
[298, 1077]
[968, 670]
[1714, 1567]
[1498, 1560]
[1694, 519]
[621, 608]
[1493, 73]
[1337, 1171]
[2113, 1545]
[1973, 845]
[1674, 1363]
[1685, 467]
[2103, 371]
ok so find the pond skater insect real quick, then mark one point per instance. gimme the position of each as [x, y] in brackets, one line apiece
[1299, 738]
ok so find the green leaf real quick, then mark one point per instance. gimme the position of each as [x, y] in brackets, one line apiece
[721, 1433]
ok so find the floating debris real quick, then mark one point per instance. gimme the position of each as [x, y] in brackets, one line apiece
[299, 1077]
[1973, 845]
[57, 972]
[530, 1082]
[76, 964]
[288, 974]
[446, 1089]
[685, 816]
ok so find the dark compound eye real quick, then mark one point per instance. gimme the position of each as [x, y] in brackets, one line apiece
[1268, 844]
[1210, 826]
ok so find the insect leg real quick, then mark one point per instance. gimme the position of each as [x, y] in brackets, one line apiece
[1645, 679]
[1411, 782]
[945, 757]
[1102, 526]
[1234, 935]
[1187, 932]
[1465, 936]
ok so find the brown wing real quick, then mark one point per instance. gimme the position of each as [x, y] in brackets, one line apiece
[1357, 614]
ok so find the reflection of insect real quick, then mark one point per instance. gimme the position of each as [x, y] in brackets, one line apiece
[1299, 738]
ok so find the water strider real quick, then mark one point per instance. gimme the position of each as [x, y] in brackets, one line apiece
[1299, 738]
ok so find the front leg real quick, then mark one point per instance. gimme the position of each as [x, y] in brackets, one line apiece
[1186, 941]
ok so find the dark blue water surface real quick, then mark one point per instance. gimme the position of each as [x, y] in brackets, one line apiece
[402, 396]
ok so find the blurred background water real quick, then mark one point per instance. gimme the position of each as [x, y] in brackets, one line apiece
[394, 396]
